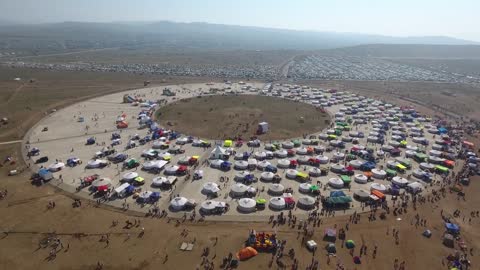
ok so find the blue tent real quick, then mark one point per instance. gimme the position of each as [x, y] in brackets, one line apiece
[452, 227]
[155, 196]
[337, 193]
[442, 130]
[91, 140]
[45, 174]
[130, 189]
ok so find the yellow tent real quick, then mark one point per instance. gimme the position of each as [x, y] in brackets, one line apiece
[228, 143]
[302, 175]
[401, 167]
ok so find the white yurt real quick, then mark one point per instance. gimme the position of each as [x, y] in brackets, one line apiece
[102, 182]
[170, 170]
[303, 159]
[57, 166]
[379, 174]
[302, 151]
[269, 147]
[412, 147]
[184, 160]
[129, 176]
[387, 148]
[178, 203]
[360, 178]
[391, 164]
[410, 153]
[287, 145]
[335, 182]
[247, 205]
[399, 181]
[210, 188]
[260, 155]
[96, 163]
[307, 142]
[240, 176]
[323, 159]
[240, 165]
[282, 153]
[276, 189]
[277, 203]
[238, 189]
[380, 187]
[304, 187]
[267, 176]
[336, 168]
[355, 163]
[159, 181]
[338, 155]
[418, 139]
[291, 173]
[380, 153]
[437, 147]
[306, 202]
[314, 172]
[252, 162]
[319, 149]
[261, 165]
[435, 160]
[209, 205]
[283, 163]
[323, 136]
[435, 153]
[238, 156]
[394, 143]
[427, 166]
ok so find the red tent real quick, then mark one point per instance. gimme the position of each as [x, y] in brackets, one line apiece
[102, 188]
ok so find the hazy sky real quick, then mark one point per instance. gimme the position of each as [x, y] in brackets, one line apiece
[457, 18]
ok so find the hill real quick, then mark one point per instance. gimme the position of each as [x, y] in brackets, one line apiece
[408, 51]
[68, 36]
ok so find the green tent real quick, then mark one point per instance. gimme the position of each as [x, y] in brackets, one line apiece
[391, 172]
[296, 143]
[261, 201]
[346, 179]
[343, 124]
[314, 188]
[420, 157]
[441, 168]
[349, 244]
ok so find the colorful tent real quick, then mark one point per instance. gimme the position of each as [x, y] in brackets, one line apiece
[349, 244]
[227, 143]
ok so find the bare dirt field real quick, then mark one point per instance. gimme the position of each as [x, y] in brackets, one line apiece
[238, 116]
[25, 102]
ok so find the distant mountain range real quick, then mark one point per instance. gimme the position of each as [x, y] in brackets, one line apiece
[83, 35]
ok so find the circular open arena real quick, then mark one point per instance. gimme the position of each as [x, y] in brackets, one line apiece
[186, 148]
[234, 116]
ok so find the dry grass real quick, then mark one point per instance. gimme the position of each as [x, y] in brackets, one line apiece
[231, 116]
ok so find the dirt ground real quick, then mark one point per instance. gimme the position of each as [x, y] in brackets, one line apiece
[27, 222]
[220, 117]
[26, 218]
[26, 101]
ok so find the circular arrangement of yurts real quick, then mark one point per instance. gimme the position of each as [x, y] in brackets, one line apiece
[141, 154]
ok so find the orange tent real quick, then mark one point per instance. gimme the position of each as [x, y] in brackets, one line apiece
[368, 174]
[246, 253]
[379, 194]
